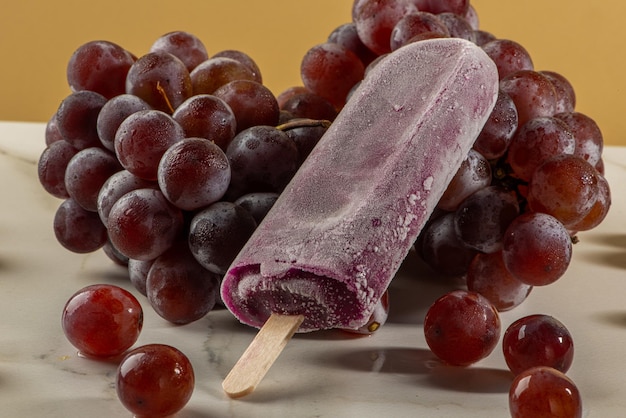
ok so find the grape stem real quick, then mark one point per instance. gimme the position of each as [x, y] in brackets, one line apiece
[162, 92]
[303, 123]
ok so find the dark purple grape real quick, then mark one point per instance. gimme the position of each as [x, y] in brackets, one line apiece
[113, 114]
[458, 26]
[193, 173]
[262, 159]
[77, 118]
[52, 133]
[305, 137]
[77, 229]
[142, 224]
[441, 248]
[311, 106]
[87, 172]
[117, 186]
[481, 220]
[473, 174]
[51, 167]
[143, 138]
[218, 233]
[258, 204]
[178, 288]
[347, 36]
[138, 273]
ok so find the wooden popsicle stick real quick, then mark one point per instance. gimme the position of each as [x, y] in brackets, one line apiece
[261, 354]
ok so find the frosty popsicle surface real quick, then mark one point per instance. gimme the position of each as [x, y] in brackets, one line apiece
[334, 239]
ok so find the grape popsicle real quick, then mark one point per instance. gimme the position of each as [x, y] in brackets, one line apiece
[334, 239]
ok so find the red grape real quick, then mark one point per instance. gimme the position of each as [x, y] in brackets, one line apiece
[99, 66]
[457, 26]
[565, 187]
[536, 141]
[509, 56]
[544, 392]
[251, 102]
[589, 140]
[497, 133]
[183, 45]
[102, 320]
[462, 327]
[217, 71]
[565, 94]
[330, 71]
[375, 19]
[488, 276]
[414, 24]
[155, 380]
[311, 106]
[161, 80]
[533, 94]
[207, 116]
[537, 248]
[537, 340]
[243, 58]
[599, 210]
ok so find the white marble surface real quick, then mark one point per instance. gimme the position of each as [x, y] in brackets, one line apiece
[326, 374]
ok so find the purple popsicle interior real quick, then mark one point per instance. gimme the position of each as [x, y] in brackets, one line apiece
[337, 235]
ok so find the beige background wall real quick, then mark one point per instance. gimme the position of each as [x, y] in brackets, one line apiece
[583, 40]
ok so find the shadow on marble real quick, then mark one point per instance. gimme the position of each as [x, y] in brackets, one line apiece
[616, 240]
[615, 259]
[612, 318]
[399, 360]
[471, 379]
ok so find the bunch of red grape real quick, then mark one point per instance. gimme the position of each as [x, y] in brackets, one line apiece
[169, 160]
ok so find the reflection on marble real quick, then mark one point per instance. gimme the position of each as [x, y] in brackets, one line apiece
[325, 374]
